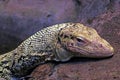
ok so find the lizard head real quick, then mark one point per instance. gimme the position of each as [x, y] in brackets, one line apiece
[84, 41]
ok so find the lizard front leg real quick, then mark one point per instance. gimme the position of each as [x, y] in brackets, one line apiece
[5, 73]
[5, 64]
[26, 63]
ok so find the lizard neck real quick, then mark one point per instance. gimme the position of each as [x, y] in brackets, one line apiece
[62, 54]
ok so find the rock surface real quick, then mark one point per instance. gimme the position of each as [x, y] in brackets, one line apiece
[21, 18]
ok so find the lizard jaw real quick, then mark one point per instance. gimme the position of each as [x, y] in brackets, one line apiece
[83, 53]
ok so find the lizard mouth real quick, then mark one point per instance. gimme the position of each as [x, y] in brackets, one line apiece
[80, 52]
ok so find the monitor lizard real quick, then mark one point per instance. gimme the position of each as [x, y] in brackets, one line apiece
[59, 42]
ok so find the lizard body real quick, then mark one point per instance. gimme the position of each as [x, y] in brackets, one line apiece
[58, 43]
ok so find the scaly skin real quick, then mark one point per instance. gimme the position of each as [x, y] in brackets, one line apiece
[59, 42]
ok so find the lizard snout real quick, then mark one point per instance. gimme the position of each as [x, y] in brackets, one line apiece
[107, 48]
[104, 49]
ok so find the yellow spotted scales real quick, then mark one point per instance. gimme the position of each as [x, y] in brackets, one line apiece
[59, 42]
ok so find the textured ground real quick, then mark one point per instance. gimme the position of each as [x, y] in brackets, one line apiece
[21, 18]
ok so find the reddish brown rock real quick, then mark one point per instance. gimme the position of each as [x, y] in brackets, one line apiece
[42, 72]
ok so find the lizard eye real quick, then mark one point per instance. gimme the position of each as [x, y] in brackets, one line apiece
[81, 40]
